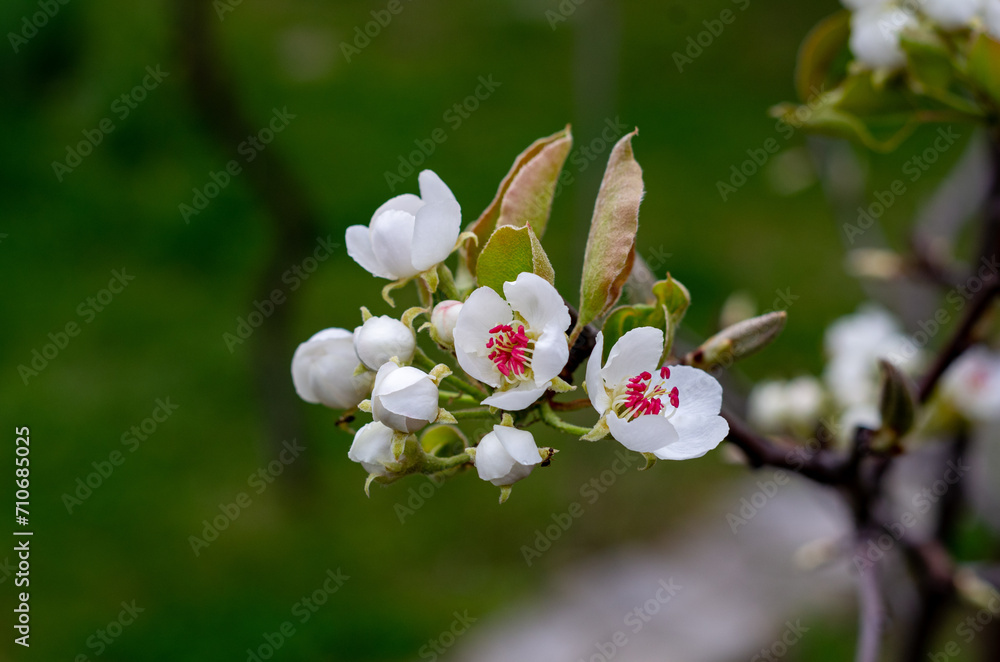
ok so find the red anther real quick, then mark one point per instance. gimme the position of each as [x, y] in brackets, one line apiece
[664, 372]
[675, 398]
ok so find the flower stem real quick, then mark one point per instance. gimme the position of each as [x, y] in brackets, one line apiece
[472, 412]
[552, 419]
[433, 464]
[455, 398]
[446, 283]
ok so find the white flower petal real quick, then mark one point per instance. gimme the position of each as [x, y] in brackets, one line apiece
[392, 236]
[550, 355]
[435, 232]
[695, 443]
[359, 247]
[381, 338]
[516, 399]
[409, 392]
[951, 14]
[534, 299]
[520, 444]
[407, 202]
[372, 444]
[645, 434]
[699, 393]
[596, 391]
[433, 189]
[482, 311]
[492, 459]
[323, 370]
[637, 351]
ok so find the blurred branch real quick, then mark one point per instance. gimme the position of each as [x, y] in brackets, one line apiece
[871, 612]
[294, 221]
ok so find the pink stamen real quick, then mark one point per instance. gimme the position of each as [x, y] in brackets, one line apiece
[675, 398]
[638, 402]
[509, 349]
[664, 372]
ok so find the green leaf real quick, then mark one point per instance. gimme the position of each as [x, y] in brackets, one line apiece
[623, 319]
[532, 196]
[818, 51]
[611, 243]
[984, 65]
[528, 199]
[509, 252]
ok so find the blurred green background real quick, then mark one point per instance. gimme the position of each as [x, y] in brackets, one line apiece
[162, 336]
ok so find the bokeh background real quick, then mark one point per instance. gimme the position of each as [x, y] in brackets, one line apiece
[230, 65]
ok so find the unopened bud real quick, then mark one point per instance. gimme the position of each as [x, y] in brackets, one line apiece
[737, 341]
[896, 403]
[443, 319]
[382, 338]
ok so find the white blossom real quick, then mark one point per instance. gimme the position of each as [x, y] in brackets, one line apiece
[518, 345]
[372, 449]
[323, 370]
[951, 14]
[408, 234]
[972, 384]
[670, 411]
[778, 405]
[875, 31]
[506, 455]
[404, 398]
[382, 338]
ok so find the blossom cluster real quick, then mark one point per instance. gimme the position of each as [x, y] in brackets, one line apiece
[877, 25]
[507, 342]
[847, 395]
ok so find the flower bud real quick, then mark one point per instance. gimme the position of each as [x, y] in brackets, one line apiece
[897, 403]
[323, 371]
[443, 319]
[381, 338]
[738, 341]
[404, 398]
[506, 455]
[372, 450]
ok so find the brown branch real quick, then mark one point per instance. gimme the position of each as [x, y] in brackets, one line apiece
[871, 612]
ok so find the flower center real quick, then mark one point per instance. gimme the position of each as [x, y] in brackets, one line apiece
[511, 351]
[641, 396]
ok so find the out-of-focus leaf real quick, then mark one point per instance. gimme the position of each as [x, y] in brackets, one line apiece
[611, 243]
[533, 193]
[984, 65]
[818, 51]
[510, 252]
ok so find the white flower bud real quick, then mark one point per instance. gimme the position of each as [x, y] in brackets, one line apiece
[506, 455]
[372, 449]
[404, 398]
[381, 338]
[323, 370]
[443, 319]
[951, 14]
[875, 34]
[992, 16]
